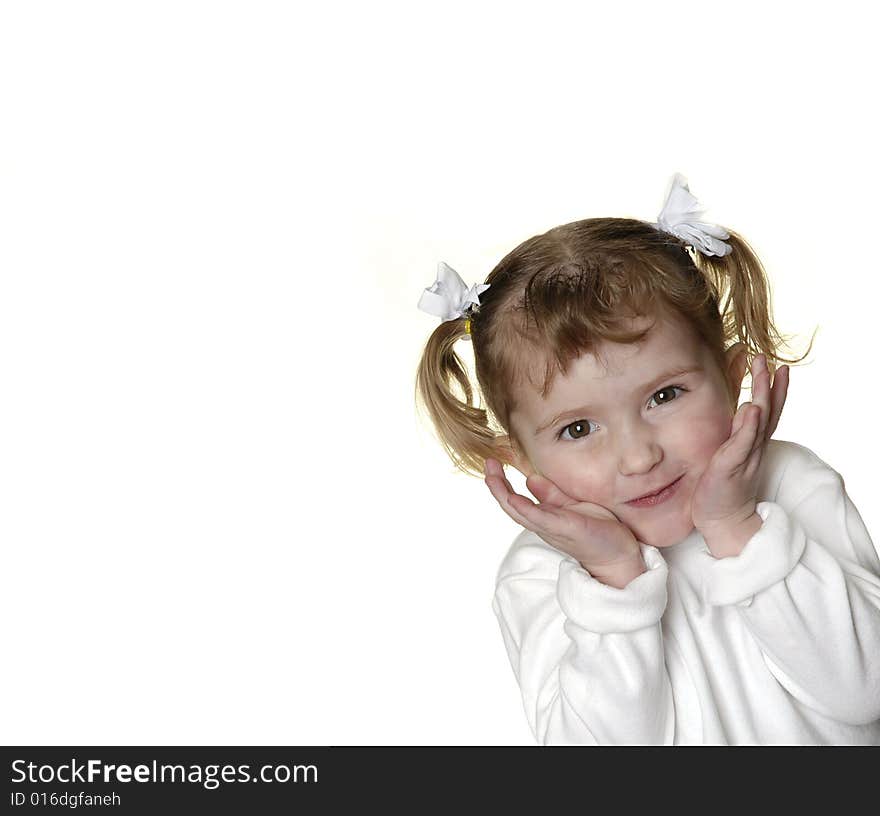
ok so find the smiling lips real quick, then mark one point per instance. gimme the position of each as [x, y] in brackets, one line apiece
[651, 499]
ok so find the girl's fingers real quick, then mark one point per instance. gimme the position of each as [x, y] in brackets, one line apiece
[542, 520]
[738, 447]
[546, 492]
[738, 418]
[542, 488]
[491, 468]
[522, 510]
[780, 392]
[526, 508]
[761, 394]
[501, 494]
[495, 468]
[545, 520]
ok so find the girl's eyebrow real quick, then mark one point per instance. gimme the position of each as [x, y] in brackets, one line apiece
[677, 371]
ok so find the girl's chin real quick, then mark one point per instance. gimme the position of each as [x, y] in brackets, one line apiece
[664, 534]
[661, 529]
[670, 540]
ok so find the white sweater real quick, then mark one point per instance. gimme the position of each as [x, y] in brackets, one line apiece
[777, 645]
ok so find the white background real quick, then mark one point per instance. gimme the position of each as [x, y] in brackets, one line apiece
[222, 520]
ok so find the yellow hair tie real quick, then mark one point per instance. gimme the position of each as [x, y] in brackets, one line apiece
[467, 325]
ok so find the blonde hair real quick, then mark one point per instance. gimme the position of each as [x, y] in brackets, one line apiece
[561, 294]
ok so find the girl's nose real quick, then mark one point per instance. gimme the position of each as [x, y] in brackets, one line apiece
[638, 451]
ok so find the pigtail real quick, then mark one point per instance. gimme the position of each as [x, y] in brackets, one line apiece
[461, 426]
[747, 313]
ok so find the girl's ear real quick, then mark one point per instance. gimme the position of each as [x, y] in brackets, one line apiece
[737, 361]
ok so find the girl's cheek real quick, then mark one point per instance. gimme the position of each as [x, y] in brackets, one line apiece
[706, 432]
[583, 488]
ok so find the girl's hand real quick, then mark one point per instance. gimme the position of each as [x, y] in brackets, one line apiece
[726, 494]
[588, 532]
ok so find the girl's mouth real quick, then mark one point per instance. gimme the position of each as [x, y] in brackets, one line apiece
[666, 493]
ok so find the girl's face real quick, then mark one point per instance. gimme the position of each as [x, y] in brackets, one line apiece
[659, 412]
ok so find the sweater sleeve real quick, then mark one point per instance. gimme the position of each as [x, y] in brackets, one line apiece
[588, 657]
[807, 586]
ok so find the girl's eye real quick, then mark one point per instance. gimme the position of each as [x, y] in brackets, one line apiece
[669, 389]
[581, 428]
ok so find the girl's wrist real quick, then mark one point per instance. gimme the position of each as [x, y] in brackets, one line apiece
[729, 540]
[620, 574]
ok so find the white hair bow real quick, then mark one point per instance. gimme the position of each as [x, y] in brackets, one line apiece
[679, 218]
[449, 297]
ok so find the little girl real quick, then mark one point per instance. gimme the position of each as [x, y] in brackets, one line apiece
[683, 578]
